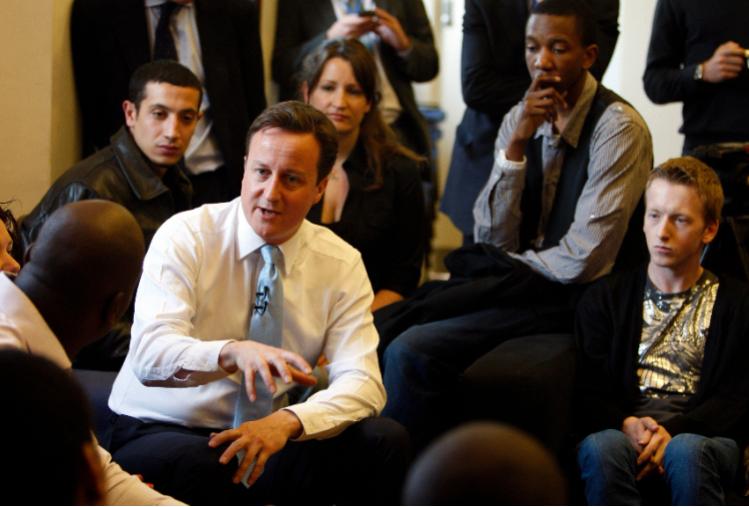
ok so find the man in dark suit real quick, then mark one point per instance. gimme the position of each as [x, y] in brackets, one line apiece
[217, 39]
[495, 78]
[397, 31]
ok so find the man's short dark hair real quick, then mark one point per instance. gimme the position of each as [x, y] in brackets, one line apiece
[301, 118]
[582, 13]
[45, 403]
[161, 71]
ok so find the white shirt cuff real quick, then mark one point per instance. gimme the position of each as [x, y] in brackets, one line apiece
[510, 165]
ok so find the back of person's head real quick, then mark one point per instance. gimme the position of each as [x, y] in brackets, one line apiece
[485, 463]
[86, 260]
[160, 71]
[300, 118]
[694, 173]
[47, 447]
[578, 9]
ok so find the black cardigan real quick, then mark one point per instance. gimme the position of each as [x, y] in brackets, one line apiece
[608, 326]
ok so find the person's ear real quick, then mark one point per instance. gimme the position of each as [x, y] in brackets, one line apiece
[711, 230]
[131, 112]
[321, 186]
[91, 487]
[590, 55]
[305, 92]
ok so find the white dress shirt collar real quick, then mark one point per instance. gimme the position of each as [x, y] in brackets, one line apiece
[248, 241]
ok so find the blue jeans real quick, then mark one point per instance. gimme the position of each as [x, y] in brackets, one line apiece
[697, 469]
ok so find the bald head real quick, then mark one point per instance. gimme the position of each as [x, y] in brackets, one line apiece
[89, 245]
[87, 257]
[485, 464]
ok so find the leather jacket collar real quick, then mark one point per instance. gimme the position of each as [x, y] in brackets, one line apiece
[137, 170]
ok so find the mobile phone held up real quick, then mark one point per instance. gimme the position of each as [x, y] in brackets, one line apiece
[368, 14]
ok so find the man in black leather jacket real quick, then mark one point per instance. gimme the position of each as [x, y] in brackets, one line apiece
[141, 169]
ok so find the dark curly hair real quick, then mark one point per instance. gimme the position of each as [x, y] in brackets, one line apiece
[7, 218]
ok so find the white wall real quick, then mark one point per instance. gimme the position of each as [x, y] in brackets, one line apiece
[624, 76]
[450, 98]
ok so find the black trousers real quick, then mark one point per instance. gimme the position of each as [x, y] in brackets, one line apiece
[365, 464]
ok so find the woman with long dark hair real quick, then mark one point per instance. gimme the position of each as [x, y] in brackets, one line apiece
[374, 199]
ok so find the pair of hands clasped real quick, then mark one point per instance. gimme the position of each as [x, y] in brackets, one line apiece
[650, 440]
[262, 438]
[382, 23]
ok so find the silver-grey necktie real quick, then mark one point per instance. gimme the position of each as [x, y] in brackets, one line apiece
[266, 326]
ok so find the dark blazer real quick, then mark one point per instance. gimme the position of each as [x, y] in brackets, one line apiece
[301, 28]
[494, 78]
[109, 41]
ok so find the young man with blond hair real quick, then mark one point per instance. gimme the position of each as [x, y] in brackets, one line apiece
[662, 382]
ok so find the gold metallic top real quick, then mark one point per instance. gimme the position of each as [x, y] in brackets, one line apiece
[672, 344]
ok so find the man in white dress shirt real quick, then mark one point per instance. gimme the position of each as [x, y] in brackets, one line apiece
[60, 301]
[176, 394]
